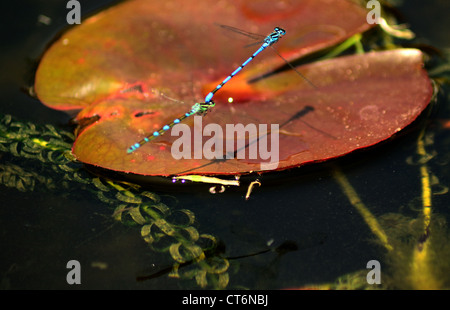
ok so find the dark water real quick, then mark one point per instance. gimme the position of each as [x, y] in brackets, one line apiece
[41, 231]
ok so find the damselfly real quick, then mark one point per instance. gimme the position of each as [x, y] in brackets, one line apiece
[202, 108]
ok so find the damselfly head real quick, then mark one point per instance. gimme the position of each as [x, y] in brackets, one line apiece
[280, 31]
[204, 107]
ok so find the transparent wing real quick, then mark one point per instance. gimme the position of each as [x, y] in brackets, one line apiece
[253, 36]
[260, 40]
[293, 68]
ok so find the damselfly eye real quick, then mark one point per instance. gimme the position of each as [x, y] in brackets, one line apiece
[280, 31]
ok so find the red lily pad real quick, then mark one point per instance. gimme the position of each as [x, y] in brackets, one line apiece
[116, 65]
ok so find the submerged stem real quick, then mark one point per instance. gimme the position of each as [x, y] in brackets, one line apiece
[421, 275]
[368, 217]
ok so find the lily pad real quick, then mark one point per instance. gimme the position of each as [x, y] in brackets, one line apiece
[117, 65]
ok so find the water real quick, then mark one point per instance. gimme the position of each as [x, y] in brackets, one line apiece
[42, 230]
